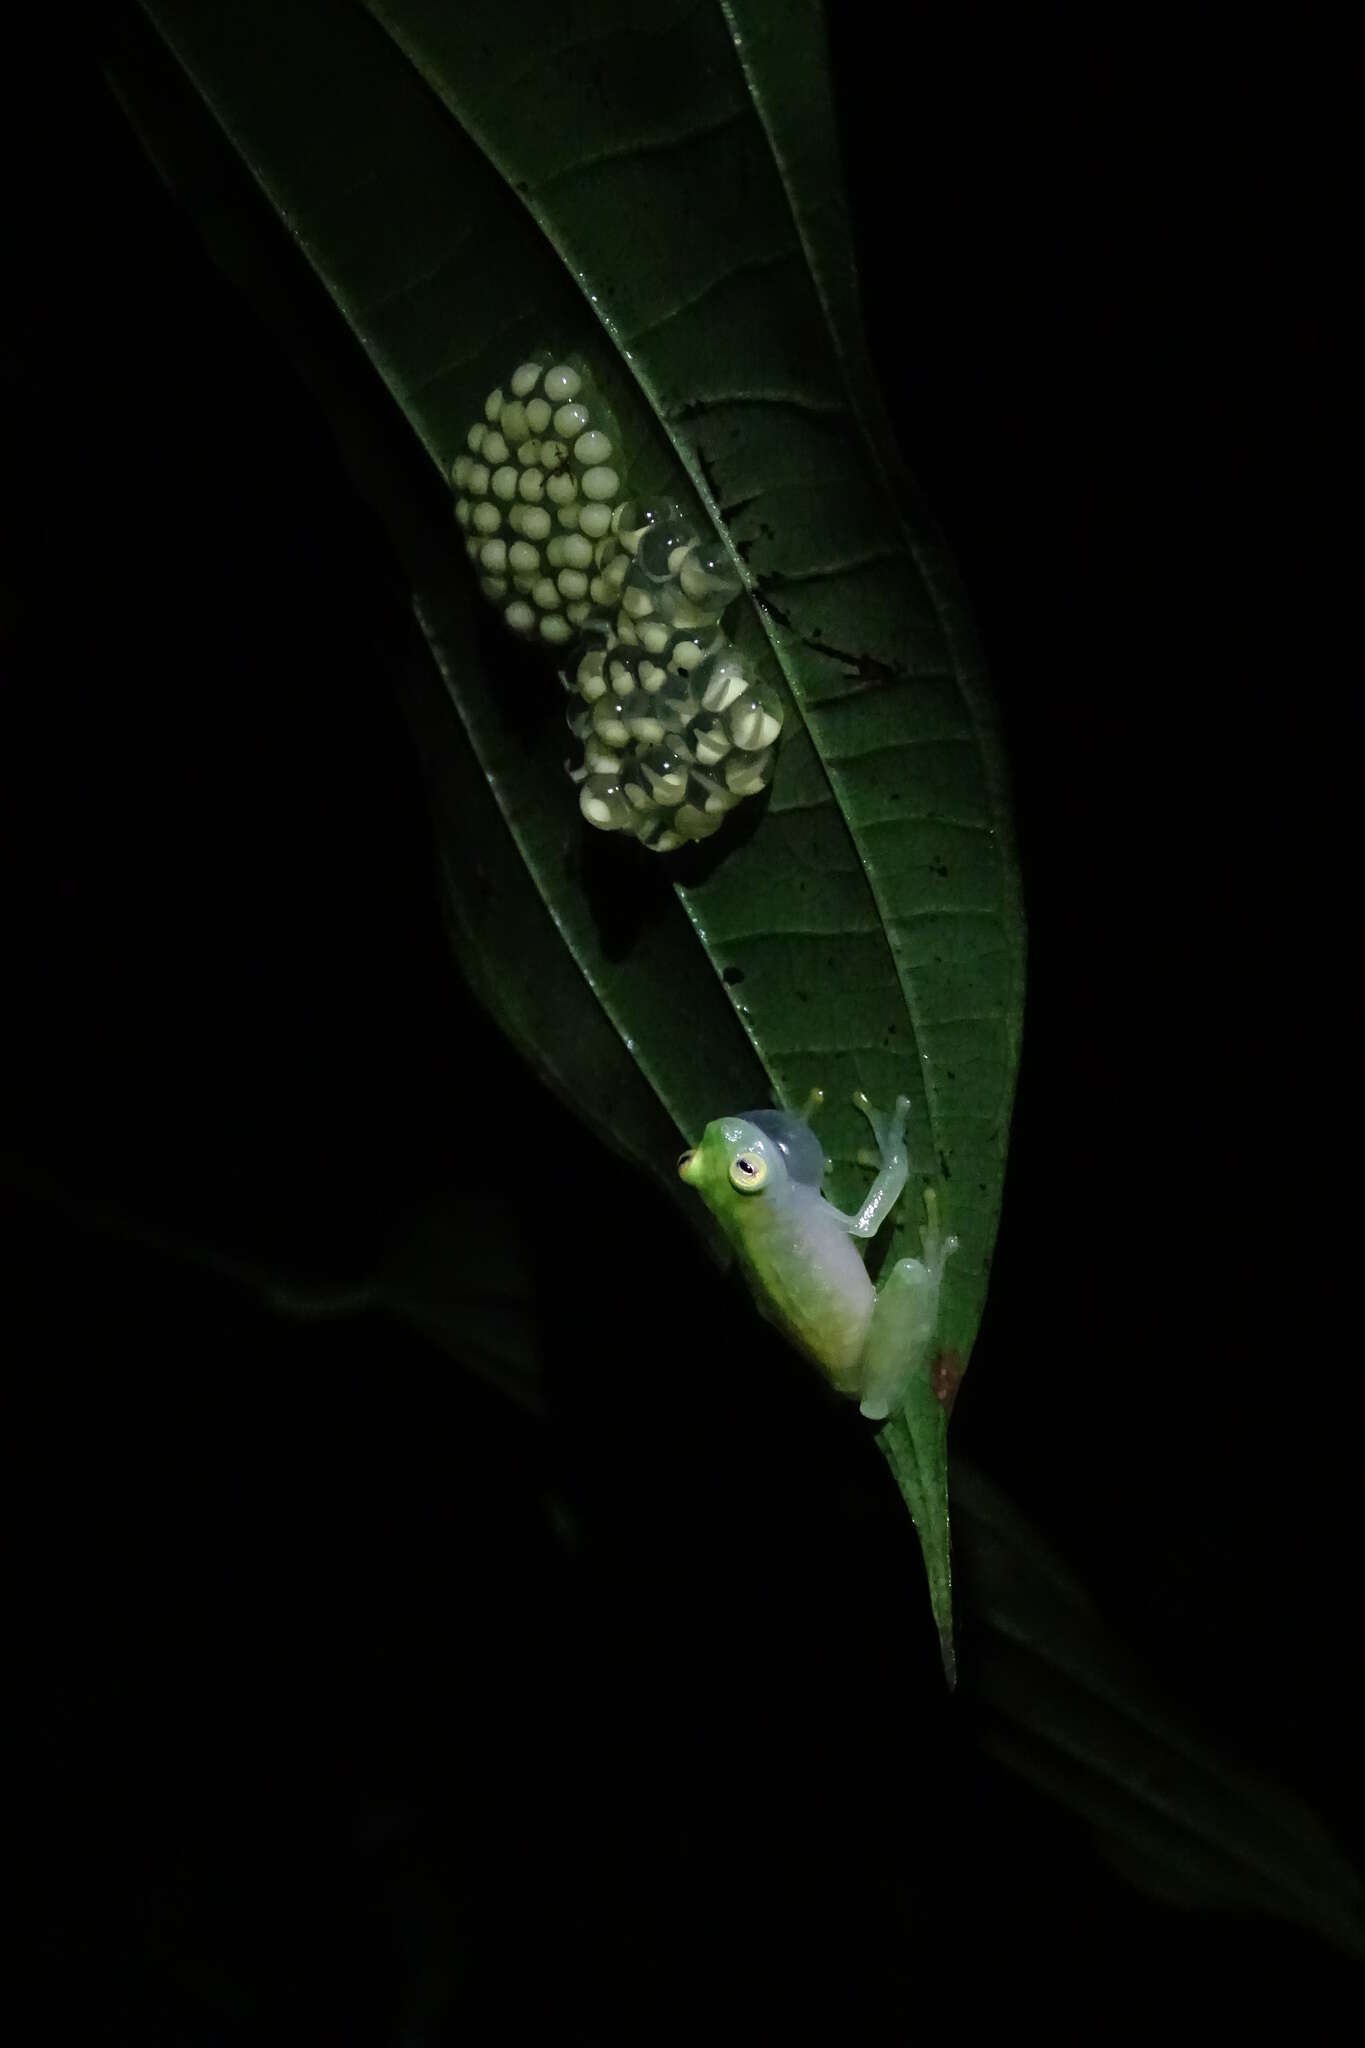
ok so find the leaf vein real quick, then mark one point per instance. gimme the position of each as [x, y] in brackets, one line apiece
[654, 145]
[697, 298]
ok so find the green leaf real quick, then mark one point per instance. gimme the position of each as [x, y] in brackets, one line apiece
[1062, 1702]
[661, 195]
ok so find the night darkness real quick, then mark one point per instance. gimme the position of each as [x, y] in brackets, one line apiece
[360, 1702]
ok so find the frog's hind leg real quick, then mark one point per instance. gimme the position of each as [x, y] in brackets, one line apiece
[900, 1337]
[898, 1381]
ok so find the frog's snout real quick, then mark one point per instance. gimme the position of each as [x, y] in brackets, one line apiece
[687, 1164]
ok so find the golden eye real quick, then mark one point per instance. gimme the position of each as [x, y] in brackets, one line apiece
[748, 1172]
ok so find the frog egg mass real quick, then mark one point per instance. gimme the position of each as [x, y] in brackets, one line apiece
[675, 733]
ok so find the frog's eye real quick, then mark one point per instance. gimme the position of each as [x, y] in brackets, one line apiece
[748, 1172]
[630, 601]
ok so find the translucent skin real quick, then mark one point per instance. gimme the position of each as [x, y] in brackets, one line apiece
[798, 1254]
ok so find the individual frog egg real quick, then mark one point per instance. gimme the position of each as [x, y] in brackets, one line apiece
[707, 577]
[513, 424]
[747, 774]
[655, 634]
[687, 651]
[646, 727]
[609, 721]
[682, 615]
[665, 771]
[603, 803]
[569, 421]
[691, 822]
[594, 520]
[660, 544]
[590, 677]
[709, 740]
[623, 670]
[600, 484]
[523, 559]
[721, 681]
[654, 830]
[754, 721]
[599, 758]
[632, 520]
[562, 383]
[676, 701]
[635, 788]
[592, 448]
[605, 587]
[709, 795]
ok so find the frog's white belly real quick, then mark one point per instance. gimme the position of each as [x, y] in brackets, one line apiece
[811, 1279]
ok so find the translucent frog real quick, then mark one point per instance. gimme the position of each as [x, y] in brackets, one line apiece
[760, 1175]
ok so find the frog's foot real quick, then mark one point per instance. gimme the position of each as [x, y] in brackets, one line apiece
[936, 1248]
[889, 1131]
[814, 1102]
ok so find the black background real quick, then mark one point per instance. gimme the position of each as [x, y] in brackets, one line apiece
[358, 1703]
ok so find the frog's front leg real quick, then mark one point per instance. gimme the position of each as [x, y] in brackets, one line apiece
[900, 1336]
[889, 1131]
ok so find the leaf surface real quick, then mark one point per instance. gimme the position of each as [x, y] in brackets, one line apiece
[660, 196]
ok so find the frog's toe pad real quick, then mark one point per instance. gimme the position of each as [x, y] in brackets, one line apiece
[875, 1408]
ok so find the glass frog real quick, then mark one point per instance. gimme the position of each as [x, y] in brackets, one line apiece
[760, 1174]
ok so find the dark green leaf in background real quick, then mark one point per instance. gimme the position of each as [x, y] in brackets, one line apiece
[678, 223]
[663, 224]
[409, 156]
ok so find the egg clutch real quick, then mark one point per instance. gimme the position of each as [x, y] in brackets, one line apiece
[674, 732]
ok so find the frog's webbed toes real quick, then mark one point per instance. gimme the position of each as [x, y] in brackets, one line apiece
[936, 1248]
[889, 1131]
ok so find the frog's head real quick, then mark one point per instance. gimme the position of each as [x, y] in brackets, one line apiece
[756, 1154]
